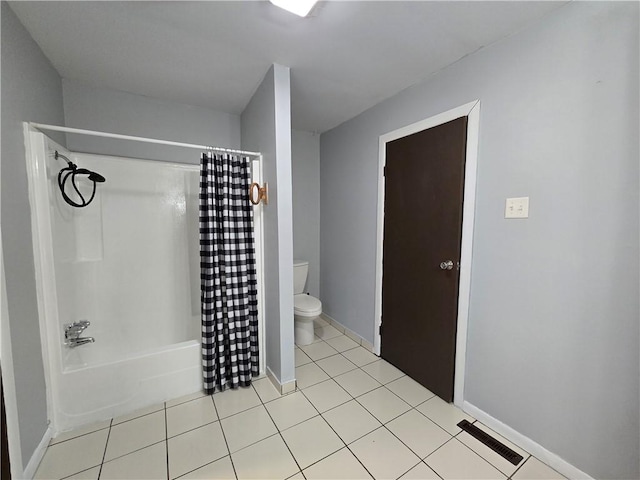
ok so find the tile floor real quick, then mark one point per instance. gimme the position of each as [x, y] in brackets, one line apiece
[354, 416]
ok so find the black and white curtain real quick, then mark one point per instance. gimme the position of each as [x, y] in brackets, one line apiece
[227, 273]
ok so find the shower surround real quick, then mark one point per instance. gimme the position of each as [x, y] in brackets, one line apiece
[129, 264]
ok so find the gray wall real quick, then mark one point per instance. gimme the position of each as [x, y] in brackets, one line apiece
[553, 326]
[113, 111]
[305, 159]
[266, 127]
[31, 91]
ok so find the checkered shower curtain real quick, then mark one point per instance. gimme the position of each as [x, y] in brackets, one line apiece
[228, 284]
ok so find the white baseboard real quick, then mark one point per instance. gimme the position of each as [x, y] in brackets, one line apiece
[349, 333]
[534, 448]
[283, 388]
[36, 458]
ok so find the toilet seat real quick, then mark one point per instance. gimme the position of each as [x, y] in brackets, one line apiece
[306, 306]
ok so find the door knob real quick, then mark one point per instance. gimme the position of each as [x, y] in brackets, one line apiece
[448, 265]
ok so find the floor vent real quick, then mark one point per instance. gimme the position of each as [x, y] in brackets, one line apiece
[489, 441]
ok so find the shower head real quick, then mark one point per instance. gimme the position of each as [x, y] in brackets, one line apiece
[96, 177]
[93, 176]
[70, 172]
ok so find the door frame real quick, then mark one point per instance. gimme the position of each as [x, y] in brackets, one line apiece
[472, 111]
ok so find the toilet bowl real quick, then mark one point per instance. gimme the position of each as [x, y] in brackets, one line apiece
[305, 307]
[305, 310]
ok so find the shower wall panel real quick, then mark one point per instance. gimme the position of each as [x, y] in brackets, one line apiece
[128, 262]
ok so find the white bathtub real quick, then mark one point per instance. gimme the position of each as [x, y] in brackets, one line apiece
[105, 390]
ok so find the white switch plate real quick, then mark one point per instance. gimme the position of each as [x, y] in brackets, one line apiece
[517, 208]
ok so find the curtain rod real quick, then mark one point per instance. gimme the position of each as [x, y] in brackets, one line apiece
[79, 131]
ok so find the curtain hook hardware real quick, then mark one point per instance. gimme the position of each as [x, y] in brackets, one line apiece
[261, 194]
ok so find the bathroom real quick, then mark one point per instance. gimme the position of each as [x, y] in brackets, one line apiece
[323, 185]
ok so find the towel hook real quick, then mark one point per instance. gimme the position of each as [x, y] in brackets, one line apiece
[261, 194]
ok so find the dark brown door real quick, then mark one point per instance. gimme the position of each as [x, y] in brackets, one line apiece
[424, 184]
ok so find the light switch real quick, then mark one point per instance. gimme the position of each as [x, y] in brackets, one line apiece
[517, 208]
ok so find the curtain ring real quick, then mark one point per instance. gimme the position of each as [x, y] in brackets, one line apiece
[261, 194]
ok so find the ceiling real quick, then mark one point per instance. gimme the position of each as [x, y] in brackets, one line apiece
[346, 57]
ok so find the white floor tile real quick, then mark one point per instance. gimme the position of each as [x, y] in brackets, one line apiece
[310, 374]
[340, 465]
[418, 433]
[490, 455]
[135, 434]
[138, 413]
[356, 382]
[534, 469]
[318, 350]
[455, 461]
[444, 414]
[420, 472]
[383, 371]
[219, 470]
[267, 459]
[326, 395]
[150, 462]
[342, 343]
[301, 358]
[383, 455]
[190, 415]
[265, 389]
[336, 365]
[248, 427]
[290, 410]
[351, 421]
[327, 331]
[236, 400]
[311, 441]
[195, 449]
[91, 474]
[185, 398]
[383, 404]
[73, 456]
[94, 427]
[296, 476]
[409, 390]
[360, 356]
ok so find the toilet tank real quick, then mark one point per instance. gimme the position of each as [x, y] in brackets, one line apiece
[300, 270]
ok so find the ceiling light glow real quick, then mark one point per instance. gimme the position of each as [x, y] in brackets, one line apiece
[299, 7]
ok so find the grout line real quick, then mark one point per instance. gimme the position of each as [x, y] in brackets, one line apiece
[421, 461]
[104, 454]
[166, 437]
[223, 434]
[79, 436]
[192, 429]
[281, 437]
[382, 425]
[340, 438]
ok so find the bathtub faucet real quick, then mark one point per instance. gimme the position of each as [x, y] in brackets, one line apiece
[72, 332]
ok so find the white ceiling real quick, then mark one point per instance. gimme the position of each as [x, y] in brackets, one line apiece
[345, 58]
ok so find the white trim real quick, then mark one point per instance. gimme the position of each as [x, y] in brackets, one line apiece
[42, 253]
[283, 388]
[472, 111]
[258, 219]
[39, 452]
[93, 133]
[349, 333]
[524, 442]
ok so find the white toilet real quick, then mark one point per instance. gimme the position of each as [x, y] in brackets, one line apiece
[305, 307]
